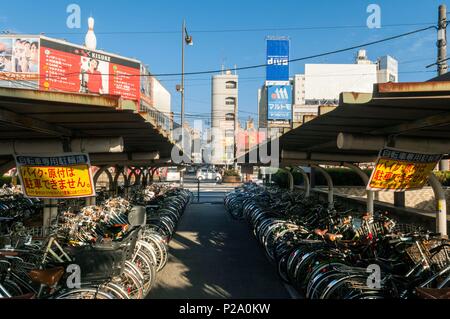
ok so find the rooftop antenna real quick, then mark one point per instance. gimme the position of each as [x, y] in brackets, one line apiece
[223, 68]
[235, 69]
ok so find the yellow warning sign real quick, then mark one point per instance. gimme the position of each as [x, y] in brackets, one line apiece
[58, 177]
[398, 170]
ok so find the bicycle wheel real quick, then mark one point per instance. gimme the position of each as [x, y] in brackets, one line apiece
[339, 287]
[134, 281]
[84, 293]
[146, 266]
[115, 290]
[12, 288]
[160, 249]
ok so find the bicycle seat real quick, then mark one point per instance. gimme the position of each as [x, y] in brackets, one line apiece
[425, 293]
[47, 277]
[333, 237]
[5, 253]
[320, 232]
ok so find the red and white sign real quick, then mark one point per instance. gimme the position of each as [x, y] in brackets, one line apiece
[71, 69]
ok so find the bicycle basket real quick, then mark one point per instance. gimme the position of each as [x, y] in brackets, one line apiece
[442, 258]
[406, 229]
[104, 261]
[421, 250]
[100, 262]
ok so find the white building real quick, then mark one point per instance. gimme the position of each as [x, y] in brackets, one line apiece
[387, 69]
[322, 84]
[224, 111]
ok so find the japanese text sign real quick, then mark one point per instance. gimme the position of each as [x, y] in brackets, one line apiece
[398, 170]
[56, 176]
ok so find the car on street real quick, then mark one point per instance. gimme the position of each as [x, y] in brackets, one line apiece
[208, 174]
[173, 174]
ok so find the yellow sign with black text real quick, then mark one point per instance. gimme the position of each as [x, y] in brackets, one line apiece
[56, 177]
[398, 170]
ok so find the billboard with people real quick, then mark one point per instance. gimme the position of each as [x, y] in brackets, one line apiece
[19, 62]
[71, 68]
[53, 65]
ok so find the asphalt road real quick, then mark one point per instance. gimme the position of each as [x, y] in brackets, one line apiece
[213, 256]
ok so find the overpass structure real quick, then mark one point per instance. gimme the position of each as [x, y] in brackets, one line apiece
[107, 127]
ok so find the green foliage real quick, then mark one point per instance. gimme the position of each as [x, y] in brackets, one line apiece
[5, 180]
[444, 178]
[231, 172]
[340, 176]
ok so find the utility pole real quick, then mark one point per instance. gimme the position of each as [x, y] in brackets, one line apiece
[236, 121]
[442, 57]
[183, 38]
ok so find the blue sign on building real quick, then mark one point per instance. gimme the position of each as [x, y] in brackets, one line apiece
[277, 60]
[279, 103]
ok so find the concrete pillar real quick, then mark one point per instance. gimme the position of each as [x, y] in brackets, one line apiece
[400, 199]
[441, 213]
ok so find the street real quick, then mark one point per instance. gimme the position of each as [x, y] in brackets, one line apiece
[214, 256]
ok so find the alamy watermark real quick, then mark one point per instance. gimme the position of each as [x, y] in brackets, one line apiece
[74, 279]
[374, 19]
[74, 18]
[216, 144]
[374, 279]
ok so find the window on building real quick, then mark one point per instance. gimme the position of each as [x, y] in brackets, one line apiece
[229, 117]
[231, 85]
[298, 117]
[230, 101]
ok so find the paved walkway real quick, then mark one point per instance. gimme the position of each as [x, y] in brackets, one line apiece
[214, 256]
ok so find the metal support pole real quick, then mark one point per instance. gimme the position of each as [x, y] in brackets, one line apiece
[182, 179]
[198, 190]
[290, 179]
[54, 209]
[330, 185]
[442, 58]
[306, 181]
[441, 213]
[50, 214]
[47, 216]
[312, 178]
[183, 37]
[365, 178]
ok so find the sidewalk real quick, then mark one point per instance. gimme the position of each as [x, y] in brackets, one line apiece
[214, 256]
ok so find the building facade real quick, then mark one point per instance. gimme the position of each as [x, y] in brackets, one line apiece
[224, 117]
[319, 88]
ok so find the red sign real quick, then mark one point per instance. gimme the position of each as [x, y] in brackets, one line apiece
[71, 69]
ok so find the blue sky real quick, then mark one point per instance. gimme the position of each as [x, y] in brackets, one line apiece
[161, 51]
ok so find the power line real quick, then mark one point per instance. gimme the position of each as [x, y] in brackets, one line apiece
[265, 65]
[243, 30]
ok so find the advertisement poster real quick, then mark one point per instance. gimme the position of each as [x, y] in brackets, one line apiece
[72, 69]
[398, 170]
[19, 62]
[279, 102]
[55, 176]
[146, 87]
[277, 59]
